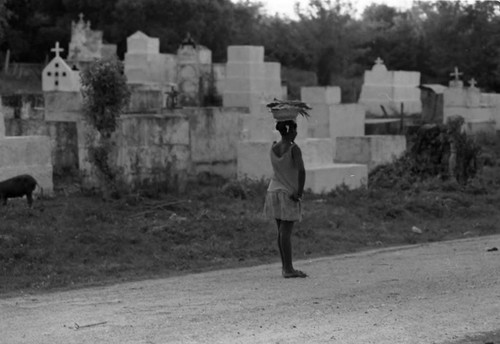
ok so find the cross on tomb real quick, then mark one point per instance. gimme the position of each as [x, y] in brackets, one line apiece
[379, 61]
[456, 74]
[472, 82]
[57, 49]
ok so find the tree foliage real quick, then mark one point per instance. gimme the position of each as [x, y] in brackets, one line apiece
[105, 94]
[4, 16]
[328, 38]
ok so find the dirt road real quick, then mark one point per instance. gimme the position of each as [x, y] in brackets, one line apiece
[416, 294]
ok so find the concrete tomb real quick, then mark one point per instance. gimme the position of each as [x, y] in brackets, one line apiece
[145, 65]
[344, 125]
[250, 82]
[390, 89]
[26, 155]
[245, 77]
[194, 72]
[58, 76]
[86, 45]
[478, 111]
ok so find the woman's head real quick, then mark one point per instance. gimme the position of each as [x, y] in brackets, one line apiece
[287, 129]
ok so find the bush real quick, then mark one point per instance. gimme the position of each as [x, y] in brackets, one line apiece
[105, 95]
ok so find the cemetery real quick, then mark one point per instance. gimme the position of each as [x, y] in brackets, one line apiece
[170, 134]
[192, 149]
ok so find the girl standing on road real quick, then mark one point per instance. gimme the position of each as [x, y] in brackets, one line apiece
[284, 194]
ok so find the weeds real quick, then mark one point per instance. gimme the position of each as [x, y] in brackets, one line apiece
[84, 240]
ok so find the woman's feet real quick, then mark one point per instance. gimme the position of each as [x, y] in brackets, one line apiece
[293, 274]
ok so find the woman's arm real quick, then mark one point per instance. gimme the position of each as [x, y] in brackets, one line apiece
[299, 164]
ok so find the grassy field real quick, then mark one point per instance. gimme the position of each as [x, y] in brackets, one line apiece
[74, 240]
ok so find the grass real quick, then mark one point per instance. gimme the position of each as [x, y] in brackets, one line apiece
[74, 240]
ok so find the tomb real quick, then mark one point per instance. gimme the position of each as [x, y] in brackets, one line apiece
[26, 155]
[251, 83]
[194, 72]
[468, 102]
[86, 45]
[391, 90]
[58, 76]
[145, 65]
[344, 124]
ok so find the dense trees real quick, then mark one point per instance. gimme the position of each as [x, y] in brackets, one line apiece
[328, 37]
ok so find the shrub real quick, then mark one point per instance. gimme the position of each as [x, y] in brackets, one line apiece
[105, 95]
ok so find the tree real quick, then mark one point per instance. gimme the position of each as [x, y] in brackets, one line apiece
[105, 95]
[4, 16]
[328, 35]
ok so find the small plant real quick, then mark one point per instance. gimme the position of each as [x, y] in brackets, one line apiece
[105, 95]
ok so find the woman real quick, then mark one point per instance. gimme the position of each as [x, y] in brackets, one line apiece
[284, 194]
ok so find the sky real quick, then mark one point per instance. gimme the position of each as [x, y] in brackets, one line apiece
[286, 7]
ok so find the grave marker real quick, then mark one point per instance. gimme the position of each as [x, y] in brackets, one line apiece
[58, 76]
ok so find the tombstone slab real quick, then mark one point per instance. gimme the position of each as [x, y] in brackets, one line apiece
[371, 150]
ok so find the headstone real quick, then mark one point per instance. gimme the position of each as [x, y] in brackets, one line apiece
[86, 45]
[250, 82]
[468, 103]
[456, 82]
[145, 65]
[58, 76]
[194, 72]
[390, 89]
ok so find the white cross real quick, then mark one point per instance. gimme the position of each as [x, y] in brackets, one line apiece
[456, 74]
[57, 50]
[379, 61]
[472, 82]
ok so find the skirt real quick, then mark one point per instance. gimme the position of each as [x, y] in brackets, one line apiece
[278, 205]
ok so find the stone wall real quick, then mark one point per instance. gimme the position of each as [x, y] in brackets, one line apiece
[214, 133]
[172, 147]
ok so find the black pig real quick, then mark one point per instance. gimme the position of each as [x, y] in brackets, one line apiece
[18, 187]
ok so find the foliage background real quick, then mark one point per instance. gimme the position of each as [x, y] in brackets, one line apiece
[328, 38]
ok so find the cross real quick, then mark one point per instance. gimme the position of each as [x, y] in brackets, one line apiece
[81, 16]
[472, 82]
[57, 50]
[379, 61]
[456, 74]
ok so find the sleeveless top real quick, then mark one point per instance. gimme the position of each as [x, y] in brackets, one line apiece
[285, 173]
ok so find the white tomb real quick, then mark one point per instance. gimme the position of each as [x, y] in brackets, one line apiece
[344, 125]
[390, 89]
[145, 65]
[251, 83]
[194, 72]
[493, 100]
[58, 76]
[86, 45]
[478, 113]
[372, 150]
[26, 155]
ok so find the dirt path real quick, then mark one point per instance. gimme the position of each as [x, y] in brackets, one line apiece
[416, 294]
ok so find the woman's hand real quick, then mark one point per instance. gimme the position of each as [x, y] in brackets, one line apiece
[296, 197]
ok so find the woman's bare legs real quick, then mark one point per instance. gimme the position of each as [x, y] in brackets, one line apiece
[278, 223]
[285, 245]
